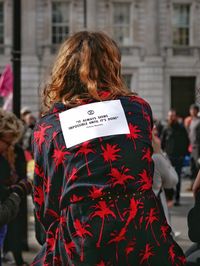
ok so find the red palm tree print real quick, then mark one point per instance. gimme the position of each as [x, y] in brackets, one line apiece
[182, 260]
[59, 156]
[152, 216]
[38, 195]
[147, 155]
[132, 211]
[39, 171]
[119, 178]
[73, 175]
[146, 181]
[40, 134]
[81, 232]
[110, 153]
[50, 241]
[141, 101]
[130, 247]
[95, 192]
[75, 198]
[172, 253]
[69, 247]
[118, 237]
[146, 254]
[85, 150]
[134, 134]
[101, 263]
[102, 210]
[164, 229]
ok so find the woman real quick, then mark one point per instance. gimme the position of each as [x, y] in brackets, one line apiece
[93, 175]
[165, 176]
[13, 169]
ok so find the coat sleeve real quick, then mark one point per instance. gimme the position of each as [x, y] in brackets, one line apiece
[9, 208]
[48, 176]
[166, 171]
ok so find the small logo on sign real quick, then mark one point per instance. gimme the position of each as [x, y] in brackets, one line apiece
[90, 112]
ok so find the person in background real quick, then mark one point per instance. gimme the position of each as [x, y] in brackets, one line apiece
[194, 136]
[13, 170]
[29, 121]
[193, 253]
[159, 126]
[94, 197]
[165, 176]
[175, 142]
[10, 205]
[11, 193]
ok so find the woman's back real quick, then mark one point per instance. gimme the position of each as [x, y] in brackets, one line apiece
[95, 199]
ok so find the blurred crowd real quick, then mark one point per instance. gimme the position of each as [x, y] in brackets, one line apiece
[176, 154]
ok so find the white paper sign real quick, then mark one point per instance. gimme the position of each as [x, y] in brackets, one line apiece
[93, 120]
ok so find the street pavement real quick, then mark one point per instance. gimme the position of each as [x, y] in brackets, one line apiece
[178, 222]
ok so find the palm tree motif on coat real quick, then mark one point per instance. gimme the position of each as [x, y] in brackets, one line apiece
[96, 192]
[72, 175]
[147, 156]
[146, 115]
[110, 153]
[40, 134]
[164, 231]
[172, 254]
[84, 150]
[51, 240]
[134, 134]
[149, 124]
[74, 198]
[152, 216]
[130, 248]
[82, 232]
[38, 171]
[102, 211]
[141, 101]
[38, 193]
[59, 155]
[69, 247]
[117, 237]
[182, 260]
[38, 196]
[132, 211]
[102, 263]
[120, 177]
[146, 254]
[145, 181]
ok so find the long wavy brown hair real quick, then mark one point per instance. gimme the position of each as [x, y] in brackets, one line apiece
[87, 63]
[10, 125]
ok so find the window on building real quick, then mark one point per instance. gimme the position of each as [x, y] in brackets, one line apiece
[60, 21]
[181, 24]
[122, 23]
[1, 27]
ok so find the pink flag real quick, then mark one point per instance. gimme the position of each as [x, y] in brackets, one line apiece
[6, 81]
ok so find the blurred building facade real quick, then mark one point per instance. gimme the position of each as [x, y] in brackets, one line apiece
[159, 42]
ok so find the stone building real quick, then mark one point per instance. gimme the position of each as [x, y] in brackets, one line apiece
[159, 41]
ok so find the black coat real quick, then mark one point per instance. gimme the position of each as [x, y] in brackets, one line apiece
[82, 226]
[174, 140]
[194, 221]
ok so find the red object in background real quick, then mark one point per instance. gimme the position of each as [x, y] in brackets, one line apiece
[6, 81]
[28, 156]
